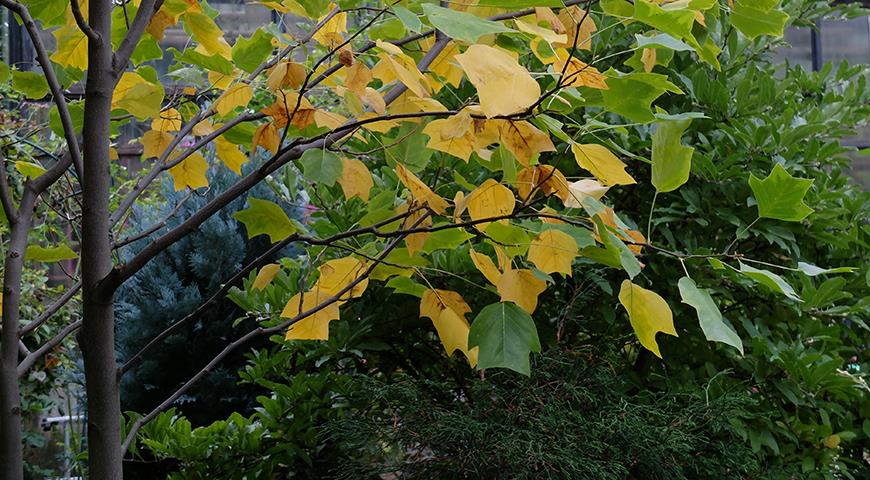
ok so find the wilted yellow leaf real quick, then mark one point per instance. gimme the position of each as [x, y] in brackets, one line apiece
[447, 311]
[608, 169]
[420, 191]
[577, 73]
[649, 314]
[314, 326]
[581, 189]
[358, 78]
[154, 143]
[521, 287]
[574, 18]
[524, 140]
[553, 251]
[230, 154]
[190, 172]
[265, 276]
[648, 59]
[329, 35]
[285, 74]
[355, 180]
[486, 266]
[168, 121]
[237, 95]
[396, 65]
[503, 85]
[266, 136]
[490, 199]
[545, 178]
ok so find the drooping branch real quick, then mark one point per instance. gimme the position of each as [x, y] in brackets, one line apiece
[259, 331]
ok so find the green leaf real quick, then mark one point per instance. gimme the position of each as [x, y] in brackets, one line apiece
[460, 25]
[447, 239]
[4, 72]
[812, 270]
[505, 334]
[321, 166]
[661, 40]
[671, 161]
[780, 195]
[714, 326]
[409, 19]
[676, 22]
[617, 8]
[408, 148]
[770, 280]
[514, 239]
[147, 49]
[406, 285]
[215, 63]
[265, 217]
[76, 113]
[517, 4]
[249, 53]
[631, 95]
[49, 254]
[29, 169]
[754, 19]
[33, 85]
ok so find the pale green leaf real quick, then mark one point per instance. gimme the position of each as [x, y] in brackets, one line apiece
[714, 326]
[671, 161]
[460, 25]
[265, 217]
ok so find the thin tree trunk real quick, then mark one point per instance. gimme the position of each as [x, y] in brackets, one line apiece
[97, 337]
[11, 459]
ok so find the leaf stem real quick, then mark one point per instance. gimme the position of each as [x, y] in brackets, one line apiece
[649, 218]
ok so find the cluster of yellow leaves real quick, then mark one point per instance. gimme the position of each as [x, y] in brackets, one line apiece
[447, 310]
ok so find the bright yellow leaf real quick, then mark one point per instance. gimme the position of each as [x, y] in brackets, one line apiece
[648, 313]
[521, 287]
[265, 276]
[524, 140]
[154, 143]
[443, 69]
[138, 96]
[190, 173]
[574, 18]
[285, 74]
[453, 135]
[546, 34]
[553, 251]
[490, 199]
[447, 311]
[396, 65]
[72, 45]
[420, 191]
[206, 32]
[503, 85]
[338, 274]
[329, 35]
[608, 169]
[577, 73]
[230, 154]
[314, 326]
[237, 95]
[168, 121]
[486, 266]
[358, 78]
[355, 180]
[266, 136]
[414, 242]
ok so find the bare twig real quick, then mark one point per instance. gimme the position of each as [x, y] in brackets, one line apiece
[82, 23]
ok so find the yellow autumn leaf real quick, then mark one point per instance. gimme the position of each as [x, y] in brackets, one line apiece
[206, 32]
[453, 135]
[230, 154]
[553, 251]
[648, 313]
[266, 136]
[380, 126]
[338, 274]
[265, 276]
[190, 173]
[168, 121]
[237, 95]
[524, 140]
[578, 73]
[521, 287]
[414, 242]
[358, 78]
[648, 58]
[545, 14]
[420, 191]
[443, 69]
[355, 180]
[329, 35]
[72, 45]
[544, 178]
[314, 326]
[490, 199]
[546, 34]
[447, 310]
[220, 81]
[396, 65]
[285, 74]
[503, 85]
[581, 189]
[486, 266]
[154, 143]
[137, 96]
[603, 164]
[574, 18]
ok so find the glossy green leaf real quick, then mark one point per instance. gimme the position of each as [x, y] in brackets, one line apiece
[249, 53]
[754, 20]
[781, 196]
[671, 160]
[460, 25]
[714, 326]
[49, 254]
[770, 280]
[265, 217]
[506, 335]
[321, 166]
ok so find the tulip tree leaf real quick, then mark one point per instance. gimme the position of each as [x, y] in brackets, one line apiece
[265, 217]
[671, 161]
[714, 326]
[781, 196]
[506, 334]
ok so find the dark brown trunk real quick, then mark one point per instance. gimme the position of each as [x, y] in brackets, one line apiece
[97, 337]
[11, 460]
